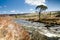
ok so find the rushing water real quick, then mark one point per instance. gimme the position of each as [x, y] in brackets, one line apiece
[29, 23]
[54, 29]
[36, 24]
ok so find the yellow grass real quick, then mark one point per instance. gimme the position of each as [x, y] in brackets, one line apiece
[12, 31]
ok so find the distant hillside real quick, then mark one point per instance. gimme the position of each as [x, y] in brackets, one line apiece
[28, 14]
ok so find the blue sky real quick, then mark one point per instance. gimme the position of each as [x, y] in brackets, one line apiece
[24, 6]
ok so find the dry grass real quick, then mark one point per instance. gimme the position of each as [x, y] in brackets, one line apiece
[12, 31]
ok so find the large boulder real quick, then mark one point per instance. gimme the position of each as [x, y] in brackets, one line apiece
[11, 31]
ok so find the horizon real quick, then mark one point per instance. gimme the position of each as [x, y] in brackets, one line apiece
[27, 6]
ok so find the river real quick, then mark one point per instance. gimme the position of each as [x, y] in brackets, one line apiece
[54, 31]
[29, 23]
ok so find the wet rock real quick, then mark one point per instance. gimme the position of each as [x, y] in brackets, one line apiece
[37, 36]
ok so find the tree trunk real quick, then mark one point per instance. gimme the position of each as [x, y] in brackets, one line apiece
[39, 16]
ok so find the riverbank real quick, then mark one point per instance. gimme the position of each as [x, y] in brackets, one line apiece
[47, 19]
[35, 30]
[10, 30]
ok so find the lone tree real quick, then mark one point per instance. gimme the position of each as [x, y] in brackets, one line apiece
[41, 8]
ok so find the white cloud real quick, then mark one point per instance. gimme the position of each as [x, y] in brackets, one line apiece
[13, 11]
[35, 2]
[22, 12]
[33, 12]
[17, 11]
[31, 9]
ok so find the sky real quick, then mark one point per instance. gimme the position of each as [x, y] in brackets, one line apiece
[26, 6]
